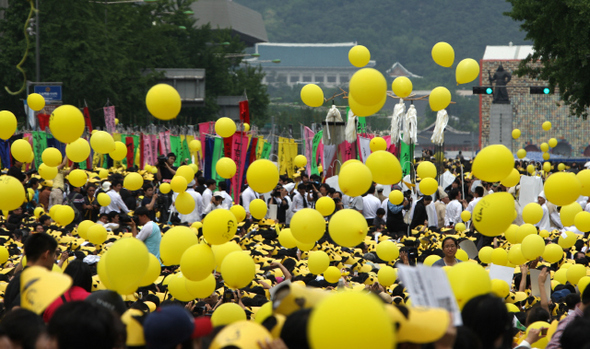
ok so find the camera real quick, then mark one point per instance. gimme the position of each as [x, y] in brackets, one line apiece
[127, 219]
[162, 160]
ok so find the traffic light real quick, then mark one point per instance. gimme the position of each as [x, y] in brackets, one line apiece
[540, 90]
[483, 90]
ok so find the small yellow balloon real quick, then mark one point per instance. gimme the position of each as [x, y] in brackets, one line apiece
[225, 127]
[377, 143]
[97, 234]
[553, 253]
[165, 188]
[512, 179]
[365, 110]
[262, 176]
[226, 314]
[21, 150]
[51, 157]
[246, 127]
[468, 280]
[467, 70]
[300, 161]
[163, 102]
[102, 142]
[582, 221]
[7, 124]
[546, 125]
[521, 153]
[258, 208]
[318, 262]
[286, 239]
[120, 151]
[552, 142]
[65, 215]
[396, 197]
[386, 276]
[426, 169]
[543, 340]
[402, 86]
[197, 262]
[368, 86]
[499, 256]
[348, 228]
[194, 145]
[515, 133]
[178, 184]
[439, 98]
[544, 147]
[46, 172]
[428, 186]
[443, 54]
[575, 273]
[226, 167]
[332, 274]
[532, 246]
[547, 167]
[532, 213]
[83, 228]
[493, 163]
[239, 212]
[77, 178]
[359, 56]
[546, 156]
[312, 95]
[185, 203]
[103, 199]
[465, 216]
[219, 226]
[175, 242]
[35, 101]
[584, 178]
[238, 270]
[561, 167]
[500, 288]
[485, 254]
[133, 181]
[78, 150]
[356, 178]
[568, 241]
[515, 255]
[387, 250]
[326, 206]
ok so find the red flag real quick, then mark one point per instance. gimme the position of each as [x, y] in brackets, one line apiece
[87, 119]
[245, 112]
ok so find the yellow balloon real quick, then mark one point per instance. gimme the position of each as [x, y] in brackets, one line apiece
[133, 181]
[77, 178]
[325, 205]
[359, 56]
[387, 276]
[560, 276]
[219, 226]
[177, 287]
[152, 273]
[530, 169]
[7, 124]
[568, 241]
[544, 147]
[430, 260]
[547, 166]
[300, 161]
[185, 204]
[428, 186]
[368, 86]
[583, 283]
[3, 255]
[532, 213]
[332, 274]
[552, 142]
[500, 288]
[127, 264]
[525, 230]
[512, 179]
[262, 176]
[238, 270]
[163, 102]
[97, 234]
[226, 314]
[35, 101]
[239, 212]
[521, 153]
[355, 179]
[396, 197]
[468, 280]
[194, 145]
[543, 341]
[286, 239]
[78, 150]
[103, 199]
[553, 253]
[225, 127]
[426, 169]
[582, 221]
[546, 125]
[103, 173]
[384, 166]
[387, 250]
[67, 123]
[365, 110]
[193, 167]
[402, 86]
[569, 212]
[65, 215]
[226, 167]
[165, 188]
[51, 157]
[258, 208]
[443, 54]
[221, 251]
[467, 70]
[439, 98]
[102, 271]
[197, 262]
[377, 143]
[246, 127]
[46, 172]
[485, 254]
[561, 167]
[116, 121]
[21, 150]
[120, 151]
[175, 242]
[562, 188]
[532, 246]
[493, 163]
[461, 254]
[201, 289]
[308, 225]
[584, 178]
[515, 133]
[38, 212]
[499, 256]
[178, 184]
[347, 228]
[318, 262]
[575, 273]
[515, 255]
[83, 228]
[312, 95]
[102, 142]
[465, 216]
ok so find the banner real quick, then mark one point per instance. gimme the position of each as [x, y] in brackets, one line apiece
[347, 151]
[406, 156]
[130, 151]
[308, 135]
[87, 119]
[238, 154]
[364, 148]
[266, 148]
[205, 128]
[217, 154]
[287, 153]
[109, 118]
[315, 151]
[329, 160]
[39, 144]
[244, 112]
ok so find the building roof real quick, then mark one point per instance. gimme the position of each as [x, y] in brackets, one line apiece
[397, 69]
[227, 14]
[507, 53]
[332, 55]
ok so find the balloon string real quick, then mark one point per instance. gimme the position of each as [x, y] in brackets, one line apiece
[22, 61]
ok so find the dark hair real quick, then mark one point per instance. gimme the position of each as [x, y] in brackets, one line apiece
[576, 334]
[80, 273]
[222, 185]
[201, 180]
[43, 218]
[142, 211]
[427, 198]
[294, 332]
[210, 182]
[170, 155]
[488, 317]
[453, 194]
[113, 214]
[147, 186]
[33, 181]
[380, 210]
[23, 327]
[371, 189]
[37, 244]
[571, 300]
[85, 325]
[115, 183]
[586, 296]
[536, 313]
[479, 191]
[449, 238]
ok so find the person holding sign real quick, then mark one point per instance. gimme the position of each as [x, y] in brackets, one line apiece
[449, 246]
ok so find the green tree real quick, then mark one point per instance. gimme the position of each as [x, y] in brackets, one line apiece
[558, 30]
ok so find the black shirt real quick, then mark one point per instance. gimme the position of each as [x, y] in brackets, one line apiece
[16, 172]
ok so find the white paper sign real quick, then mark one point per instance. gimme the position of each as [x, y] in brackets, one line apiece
[469, 247]
[501, 273]
[272, 212]
[535, 291]
[429, 287]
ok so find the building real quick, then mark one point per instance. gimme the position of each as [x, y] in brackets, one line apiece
[325, 64]
[397, 70]
[528, 111]
[455, 141]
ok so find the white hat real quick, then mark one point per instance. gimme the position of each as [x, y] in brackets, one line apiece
[289, 186]
[218, 194]
[191, 184]
[542, 195]
[106, 186]
[379, 187]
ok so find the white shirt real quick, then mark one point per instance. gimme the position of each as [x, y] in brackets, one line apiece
[247, 196]
[227, 200]
[472, 204]
[370, 206]
[453, 212]
[116, 204]
[212, 207]
[356, 203]
[194, 216]
[544, 223]
[146, 231]
[298, 202]
[206, 197]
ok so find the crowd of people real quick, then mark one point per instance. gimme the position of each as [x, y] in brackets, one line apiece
[278, 306]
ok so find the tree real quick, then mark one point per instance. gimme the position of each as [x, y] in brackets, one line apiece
[558, 29]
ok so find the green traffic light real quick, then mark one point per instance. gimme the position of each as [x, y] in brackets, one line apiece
[489, 90]
[546, 90]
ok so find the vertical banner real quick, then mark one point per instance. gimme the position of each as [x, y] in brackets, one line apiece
[308, 138]
[87, 119]
[39, 144]
[5, 153]
[260, 147]
[210, 141]
[146, 146]
[364, 148]
[317, 138]
[282, 156]
[175, 147]
[239, 150]
[406, 156]
[244, 112]
[109, 118]
[217, 154]
[30, 115]
[130, 150]
[329, 160]
[204, 129]
[266, 148]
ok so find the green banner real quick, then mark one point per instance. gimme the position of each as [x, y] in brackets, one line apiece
[39, 143]
[217, 154]
[406, 157]
[184, 152]
[314, 149]
[266, 150]
[175, 148]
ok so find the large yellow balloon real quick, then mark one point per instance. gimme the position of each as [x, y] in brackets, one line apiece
[225, 127]
[575, 273]
[187, 172]
[396, 197]
[582, 221]
[359, 56]
[368, 86]
[553, 253]
[65, 215]
[500, 256]
[312, 95]
[152, 271]
[127, 264]
[562, 188]
[258, 208]
[485, 254]
[120, 151]
[51, 157]
[194, 145]
[467, 70]
[101, 269]
[493, 163]
[439, 98]
[102, 142]
[226, 167]
[163, 102]
[67, 123]
[532, 213]
[286, 239]
[377, 143]
[46, 172]
[133, 181]
[77, 178]
[355, 179]
[384, 167]
[221, 251]
[512, 179]
[78, 150]
[426, 169]
[238, 270]
[219, 226]
[365, 110]
[443, 54]
[584, 178]
[402, 86]
[103, 199]
[325, 205]
[174, 242]
[387, 250]
[350, 320]
[428, 186]
[201, 289]
[543, 341]
[318, 262]
[239, 212]
[21, 150]
[532, 246]
[97, 234]
[468, 280]
[7, 124]
[226, 314]
[386, 276]
[262, 176]
[568, 241]
[348, 227]
[197, 262]
[178, 184]
[185, 204]
[308, 225]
